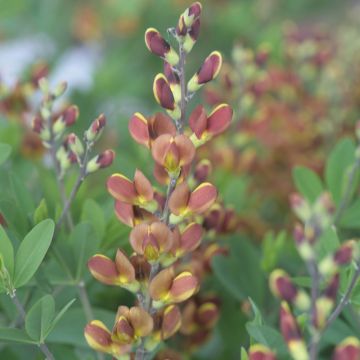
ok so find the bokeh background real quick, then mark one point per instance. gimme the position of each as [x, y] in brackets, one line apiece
[292, 73]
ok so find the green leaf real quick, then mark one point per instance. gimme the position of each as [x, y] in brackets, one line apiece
[59, 316]
[84, 244]
[272, 246]
[307, 182]
[327, 243]
[337, 167]
[5, 151]
[94, 214]
[41, 212]
[240, 271]
[244, 355]
[257, 314]
[7, 251]
[267, 336]
[16, 335]
[351, 219]
[39, 318]
[32, 251]
[21, 194]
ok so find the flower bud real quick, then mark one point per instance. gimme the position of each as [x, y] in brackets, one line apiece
[164, 96]
[39, 126]
[348, 349]
[300, 206]
[96, 128]
[291, 333]
[44, 85]
[160, 47]
[202, 170]
[187, 18]
[60, 89]
[166, 323]
[207, 72]
[173, 80]
[261, 352]
[326, 302]
[191, 36]
[65, 157]
[167, 288]
[120, 273]
[101, 161]
[75, 145]
[282, 287]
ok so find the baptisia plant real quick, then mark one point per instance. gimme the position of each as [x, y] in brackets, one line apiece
[167, 227]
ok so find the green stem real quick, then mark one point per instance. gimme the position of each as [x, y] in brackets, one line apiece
[42, 346]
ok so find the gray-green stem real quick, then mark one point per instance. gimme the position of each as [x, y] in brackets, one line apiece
[42, 346]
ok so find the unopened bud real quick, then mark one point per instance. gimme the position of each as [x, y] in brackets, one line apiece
[44, 85]
[96, 128]
[75, 145]
[100, 161]
[60, 89]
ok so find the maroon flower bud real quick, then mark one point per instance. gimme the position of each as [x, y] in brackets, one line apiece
[160, 47]
[163, 93]
[207, 72]
[260, 352]
[348, 349]
[100, 161]
[70, 115]
[96, 128]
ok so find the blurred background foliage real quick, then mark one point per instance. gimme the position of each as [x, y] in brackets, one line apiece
[98, 48]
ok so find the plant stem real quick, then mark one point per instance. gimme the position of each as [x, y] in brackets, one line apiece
[315, 277]
[42, 346]
[82, 174]
[84, 298]
[345, 300]
[141, 353]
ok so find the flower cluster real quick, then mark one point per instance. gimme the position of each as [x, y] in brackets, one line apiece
[316, 310]
[51, 128]
[166, 228]
[295, 107]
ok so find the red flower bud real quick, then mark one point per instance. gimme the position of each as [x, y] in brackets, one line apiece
[207, 72]
[348, 349]
[160, 47]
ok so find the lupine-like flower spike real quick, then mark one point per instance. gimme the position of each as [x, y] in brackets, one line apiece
[165, 225]
[120, 273]
[348, 349]
[261, 352]
[208, 71]
[168, 288]
[291, 333]
[160, 47]
[282, 287]
[205, 128]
